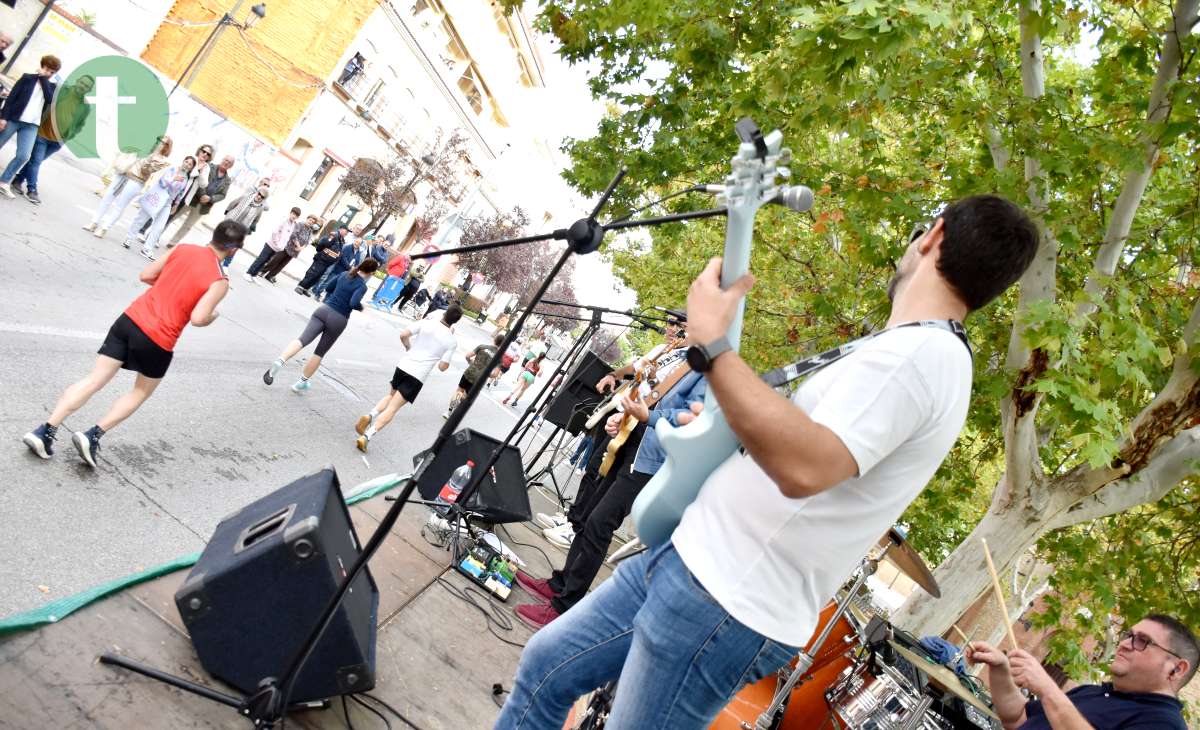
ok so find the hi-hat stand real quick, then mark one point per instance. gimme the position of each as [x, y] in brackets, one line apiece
[269, 703]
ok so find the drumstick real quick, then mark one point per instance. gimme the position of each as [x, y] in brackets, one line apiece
[999, 595]
[961, 635]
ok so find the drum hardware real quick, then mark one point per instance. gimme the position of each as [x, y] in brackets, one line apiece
[944, 679]
[804, 661]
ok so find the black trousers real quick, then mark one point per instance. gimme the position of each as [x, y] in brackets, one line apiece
[403, 298]
[261, 260]
[592, 485]
[275, 264]
[611, 504]
[315, 270]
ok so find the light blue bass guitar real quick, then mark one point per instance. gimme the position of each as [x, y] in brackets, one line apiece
[695, 450]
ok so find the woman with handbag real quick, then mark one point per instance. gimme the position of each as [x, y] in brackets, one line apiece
[127, 185]
[157, 203]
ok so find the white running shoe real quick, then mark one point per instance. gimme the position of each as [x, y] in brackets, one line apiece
[560, 537]
[247, 277]
[6, 189]
[549, 522]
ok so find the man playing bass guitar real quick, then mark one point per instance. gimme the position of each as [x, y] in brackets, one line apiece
[780, 524]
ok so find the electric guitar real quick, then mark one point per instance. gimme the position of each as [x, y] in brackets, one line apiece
[695, 450]
[628, 422]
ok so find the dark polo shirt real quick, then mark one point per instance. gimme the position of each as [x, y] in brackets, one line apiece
[1107, 709]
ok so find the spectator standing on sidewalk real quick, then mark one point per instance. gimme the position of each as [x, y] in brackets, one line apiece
[67, 115]
[127, 186]
[326, 253]
[397, 267]
[212, 190]
[197, 178]
[354, 238]
[5, 42]
[300, 237]
[410, 288]
[275, 244]
[350, 256]
[155, 205]
[22, 113]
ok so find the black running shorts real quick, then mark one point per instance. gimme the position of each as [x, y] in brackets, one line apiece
[406, 385]
[464, 384]
[137, 352]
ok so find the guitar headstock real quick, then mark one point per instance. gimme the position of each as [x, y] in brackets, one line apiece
[759, 160]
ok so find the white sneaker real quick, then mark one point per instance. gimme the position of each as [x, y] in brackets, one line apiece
[247, 277]
[558, 519]
[142, 237]
[6, 189]
[90, 227]
[99, 232]
[560, 537]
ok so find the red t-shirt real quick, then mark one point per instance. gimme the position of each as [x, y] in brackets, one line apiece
[398, 265]
[166, 307]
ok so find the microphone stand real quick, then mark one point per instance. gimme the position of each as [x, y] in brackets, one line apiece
[269, 704]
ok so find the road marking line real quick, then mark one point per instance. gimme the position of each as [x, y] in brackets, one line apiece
[34, 329]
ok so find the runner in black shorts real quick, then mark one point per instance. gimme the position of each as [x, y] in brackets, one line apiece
[429, 343]
[185, 288]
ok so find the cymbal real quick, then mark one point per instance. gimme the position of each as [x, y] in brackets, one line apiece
[942, 677]
[902, 555]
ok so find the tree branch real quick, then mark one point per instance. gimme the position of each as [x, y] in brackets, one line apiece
[1157, 111]
[1173, 462]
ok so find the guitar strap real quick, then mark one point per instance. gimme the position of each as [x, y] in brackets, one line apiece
[786, 374]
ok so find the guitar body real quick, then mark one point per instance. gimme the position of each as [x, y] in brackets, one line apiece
[615, 444]
[695, 450]
[606, 407]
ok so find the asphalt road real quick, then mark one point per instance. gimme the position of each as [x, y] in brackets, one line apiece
[211, 439]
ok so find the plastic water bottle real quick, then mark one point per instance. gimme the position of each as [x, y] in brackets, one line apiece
[451, 489]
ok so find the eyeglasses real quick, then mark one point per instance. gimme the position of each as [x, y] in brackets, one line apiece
[1140, 642]
[207, 153]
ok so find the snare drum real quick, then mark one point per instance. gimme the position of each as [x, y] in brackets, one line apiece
[806, 709]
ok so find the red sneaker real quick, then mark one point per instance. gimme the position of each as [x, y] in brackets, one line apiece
[539, 589]
[536, 615]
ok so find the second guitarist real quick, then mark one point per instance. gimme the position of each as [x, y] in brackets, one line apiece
[613, 497]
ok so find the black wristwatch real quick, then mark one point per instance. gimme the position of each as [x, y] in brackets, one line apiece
[700, 357]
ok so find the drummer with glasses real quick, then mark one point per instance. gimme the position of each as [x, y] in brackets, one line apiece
[1154, 660]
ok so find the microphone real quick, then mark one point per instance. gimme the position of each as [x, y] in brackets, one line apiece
[647, 326]
[796, 197]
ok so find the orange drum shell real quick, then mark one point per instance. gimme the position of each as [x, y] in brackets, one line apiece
[806, 708]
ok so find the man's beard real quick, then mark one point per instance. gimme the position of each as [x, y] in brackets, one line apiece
[894, 286]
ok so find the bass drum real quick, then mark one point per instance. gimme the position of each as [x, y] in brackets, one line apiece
[806, 709]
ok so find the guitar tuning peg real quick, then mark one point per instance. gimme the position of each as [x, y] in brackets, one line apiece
[784, 172]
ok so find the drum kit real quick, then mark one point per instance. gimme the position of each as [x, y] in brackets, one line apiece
[858, 673]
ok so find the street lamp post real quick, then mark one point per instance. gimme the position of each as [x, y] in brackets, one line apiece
[257, 12]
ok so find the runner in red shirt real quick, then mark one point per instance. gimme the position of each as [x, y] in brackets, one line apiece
[185, 288]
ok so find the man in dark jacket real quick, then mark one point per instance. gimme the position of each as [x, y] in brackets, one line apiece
[325, 253]
[351, 255]
[68, 115]
[213, 192]
[22, 114]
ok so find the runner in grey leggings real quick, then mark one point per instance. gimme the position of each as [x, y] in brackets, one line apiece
[329, 321]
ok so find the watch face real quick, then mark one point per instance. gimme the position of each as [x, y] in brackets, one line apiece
[697, 360]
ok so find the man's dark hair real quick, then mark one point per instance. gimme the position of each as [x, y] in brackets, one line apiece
[228, 234]
[499, 338]
[987, 244]
[453, 314]
[51, 62]
[1182, 641]
[296, 211]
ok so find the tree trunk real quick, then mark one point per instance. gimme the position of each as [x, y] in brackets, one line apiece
[963, 575]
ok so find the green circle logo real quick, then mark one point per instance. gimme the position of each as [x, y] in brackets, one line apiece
[110, 105]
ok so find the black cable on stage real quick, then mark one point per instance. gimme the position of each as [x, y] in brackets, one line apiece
[392, 710]
[491, 612]
[515, 541]
[346, 713]
[381, 716]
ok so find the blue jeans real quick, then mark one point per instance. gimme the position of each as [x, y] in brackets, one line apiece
[678, 655]
[42, 149]
[26, 133]
[583, 452]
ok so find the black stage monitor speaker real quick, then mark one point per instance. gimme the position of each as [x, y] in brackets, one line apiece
[577, 398]
[262, 582]
[501, 497]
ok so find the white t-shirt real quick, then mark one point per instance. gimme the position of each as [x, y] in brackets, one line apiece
[37, 104]
[432, 341]
[772, 562]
